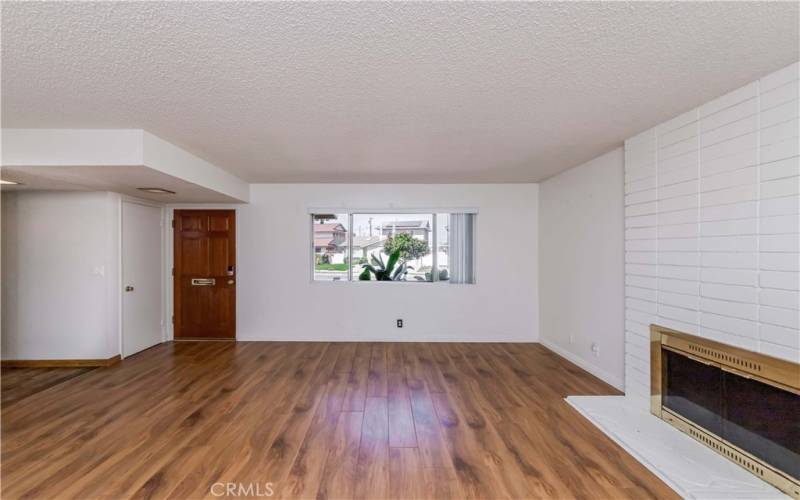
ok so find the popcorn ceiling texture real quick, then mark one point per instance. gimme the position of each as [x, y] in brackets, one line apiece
[383, 92]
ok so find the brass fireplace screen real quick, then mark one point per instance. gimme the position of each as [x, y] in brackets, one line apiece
[743, 405]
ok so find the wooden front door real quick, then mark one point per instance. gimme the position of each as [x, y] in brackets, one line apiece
[205, 274]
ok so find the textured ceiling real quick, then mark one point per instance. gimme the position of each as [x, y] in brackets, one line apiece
[383, 92]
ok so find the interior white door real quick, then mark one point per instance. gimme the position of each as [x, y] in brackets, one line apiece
[141, 277]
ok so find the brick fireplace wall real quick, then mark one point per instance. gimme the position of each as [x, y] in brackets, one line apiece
[712, 229]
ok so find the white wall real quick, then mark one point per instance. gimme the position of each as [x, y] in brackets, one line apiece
[60, 259]
[581, 265]
[278, 301]
[711, 215]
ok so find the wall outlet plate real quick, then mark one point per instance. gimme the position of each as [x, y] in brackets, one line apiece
[399, 323]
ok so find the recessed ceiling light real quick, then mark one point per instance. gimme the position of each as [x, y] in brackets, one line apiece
[3, 181]
[156, 190]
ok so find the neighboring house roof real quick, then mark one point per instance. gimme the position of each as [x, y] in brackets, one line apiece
[329, 228]
[368, 241]
[406, 224]
[324, 242]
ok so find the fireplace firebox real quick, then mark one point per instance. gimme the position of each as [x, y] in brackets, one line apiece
[743, 405]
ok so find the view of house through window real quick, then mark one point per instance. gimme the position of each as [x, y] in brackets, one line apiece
[411, 247]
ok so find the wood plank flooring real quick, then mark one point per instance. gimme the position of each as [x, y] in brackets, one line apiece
[318, 420]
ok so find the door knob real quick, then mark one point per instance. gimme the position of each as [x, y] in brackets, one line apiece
[128, 288]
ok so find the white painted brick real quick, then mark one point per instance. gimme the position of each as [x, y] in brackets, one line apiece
[641, 245]
[778, 351]
[736, 129]
[650, 207]
[641, 269]
[778, 261]
[641, 185]
[636, 350]
[727, 163]
[640, 173]
[732, 309]
[779, 243]
[729, 227]
[641, 257]
[780, 224]
[679, 148]
[639, 364]
[782, 336]
[728, 244]
[744, 277]
[679, 203]
[788, 167]
[780, 77]
[678, 245]
[678, 231]
[780, 132]
[679, 162]
[641, 305]
[748, 343]
[788, 299]
[679, 300]
[642, 281]
[783, 280]
[676, 324]
[641, 197]
[779, 95]
[642, 221]
[776, 316]
[677, 122]
[729, 260]
[678, 176]
[678, 217]
[678, 314]
[745, 294]
[729, 179]
[780, 206]
[786, 111]
[678, 286]
[641, 233]
[678, 272]
[731, 98]
[743, 210]
[639, 316]
[679, 258]
[679, 134]
[729, 195]
[641, 293]
[729, 115]
[780, 150]
[639, 159]
[789, 186]
[729, 147]
[638, 330]
[735, 326]
[675, 190]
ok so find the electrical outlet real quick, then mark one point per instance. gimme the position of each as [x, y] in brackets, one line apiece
[595, 350]
[399, 323]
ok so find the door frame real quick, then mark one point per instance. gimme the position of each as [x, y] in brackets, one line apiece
[169, 250]
[120, 272]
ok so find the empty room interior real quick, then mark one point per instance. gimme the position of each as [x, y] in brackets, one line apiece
[400, 250]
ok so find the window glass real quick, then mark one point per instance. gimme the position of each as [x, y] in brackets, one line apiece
[330, 246]
[376, 237]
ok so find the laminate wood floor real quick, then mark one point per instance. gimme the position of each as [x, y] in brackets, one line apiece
[318, 420]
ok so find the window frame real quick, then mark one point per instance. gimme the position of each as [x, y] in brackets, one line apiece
[350, 212]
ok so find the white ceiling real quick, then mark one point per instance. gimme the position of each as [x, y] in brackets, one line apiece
[383, 92]
[123, 179]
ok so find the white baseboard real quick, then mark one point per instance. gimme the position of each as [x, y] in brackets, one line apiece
[603, 375]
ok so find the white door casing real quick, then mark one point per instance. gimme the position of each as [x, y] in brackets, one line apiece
[141, 277]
